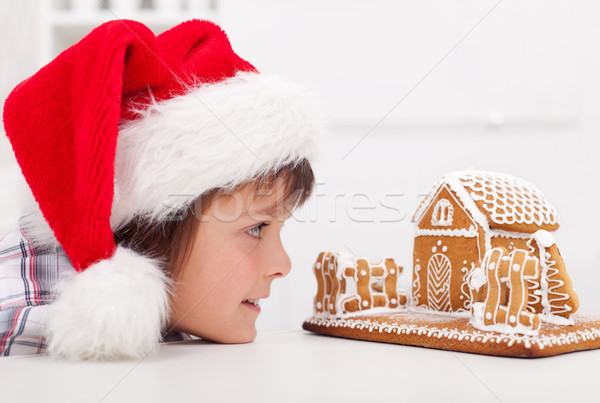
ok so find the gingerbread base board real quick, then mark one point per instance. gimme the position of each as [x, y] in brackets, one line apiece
[445, 332]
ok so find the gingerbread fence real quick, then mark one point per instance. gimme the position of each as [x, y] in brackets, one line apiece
[347, 285]
[512, 291]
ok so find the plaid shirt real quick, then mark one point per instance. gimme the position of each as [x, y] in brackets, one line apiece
[27, 279]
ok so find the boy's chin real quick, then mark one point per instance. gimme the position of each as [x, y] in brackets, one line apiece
[242, 337]
[235, 337]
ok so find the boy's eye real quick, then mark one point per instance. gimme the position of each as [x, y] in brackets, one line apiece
[255, 231]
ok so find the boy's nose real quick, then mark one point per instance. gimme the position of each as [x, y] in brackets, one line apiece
[279, 264]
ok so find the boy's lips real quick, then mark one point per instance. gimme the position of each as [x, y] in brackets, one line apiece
[252, 304]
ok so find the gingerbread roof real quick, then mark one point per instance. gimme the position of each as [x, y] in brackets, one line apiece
[498, 200]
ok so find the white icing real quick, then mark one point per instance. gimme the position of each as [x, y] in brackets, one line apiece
[445, 249]
[344, 261]
[439, 272]
[417, 284]
[488, 239]
[464, 288]
[482, 337]
[424, 310]
[455, 184]
[506, 330]
[556, 320]
[508, 234]
[425, 204]
[506, 199]
[552, 300]
[477, 278]
[434, 249]
[439, 243]
[471, 233]
[442, 213]
[377, 311]
[543, 238]
[340, 262]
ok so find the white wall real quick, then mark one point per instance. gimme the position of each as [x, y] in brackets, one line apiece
[413, 90]
[516, 92]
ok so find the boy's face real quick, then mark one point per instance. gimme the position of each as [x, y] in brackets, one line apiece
[236, 255]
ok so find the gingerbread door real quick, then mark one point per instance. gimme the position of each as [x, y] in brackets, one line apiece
[438, 283]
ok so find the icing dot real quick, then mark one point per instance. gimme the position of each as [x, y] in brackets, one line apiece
[319, 305]
[318, 265]
[365, 303]
[331, 307]
[439, 243]
[434, 249]
[462, 297]
[392, 271]
[492, 265]
[363, 272]
[445, 249]
[516, 267]
[488, 315]
[393, 301]
[512, 319]
[464, 262]
[417, 260]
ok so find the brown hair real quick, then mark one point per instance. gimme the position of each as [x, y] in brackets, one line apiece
[171, 241]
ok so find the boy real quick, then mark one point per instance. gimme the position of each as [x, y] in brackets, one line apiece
[121, 139]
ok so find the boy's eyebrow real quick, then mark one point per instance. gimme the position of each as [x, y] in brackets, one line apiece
[271, 210]
[262, 211]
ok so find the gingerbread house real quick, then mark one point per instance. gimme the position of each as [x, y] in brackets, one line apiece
[469, 214]
[487, 274]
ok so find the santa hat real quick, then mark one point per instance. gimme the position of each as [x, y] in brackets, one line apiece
[126, 123]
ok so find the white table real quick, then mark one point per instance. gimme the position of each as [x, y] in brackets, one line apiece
[303, 367]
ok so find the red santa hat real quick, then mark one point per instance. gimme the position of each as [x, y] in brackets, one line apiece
[126, 123]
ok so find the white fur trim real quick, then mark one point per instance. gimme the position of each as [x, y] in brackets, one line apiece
[114, 309]
[217, 135]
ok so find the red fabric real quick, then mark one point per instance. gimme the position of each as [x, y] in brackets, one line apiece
[63, 121]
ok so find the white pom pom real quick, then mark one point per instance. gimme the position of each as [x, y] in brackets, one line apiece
[115, 309]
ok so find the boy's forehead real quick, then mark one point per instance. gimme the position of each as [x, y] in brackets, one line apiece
[264, 206]
[265, 198]
[252, 200]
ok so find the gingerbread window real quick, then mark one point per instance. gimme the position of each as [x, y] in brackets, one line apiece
[442, 213]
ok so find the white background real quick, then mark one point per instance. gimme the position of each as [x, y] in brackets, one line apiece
[411, 90]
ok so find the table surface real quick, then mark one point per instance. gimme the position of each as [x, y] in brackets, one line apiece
[303, 367]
